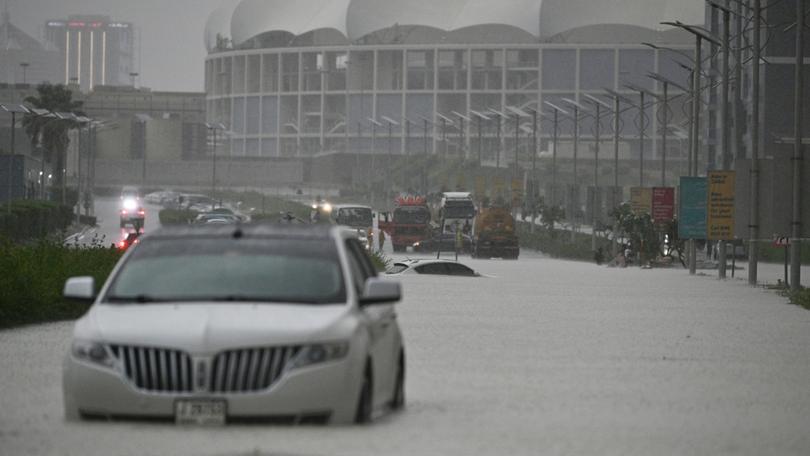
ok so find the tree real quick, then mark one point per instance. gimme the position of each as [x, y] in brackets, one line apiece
[639, 229]
[51, 134]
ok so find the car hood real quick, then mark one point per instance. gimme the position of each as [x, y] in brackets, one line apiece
[202, 328]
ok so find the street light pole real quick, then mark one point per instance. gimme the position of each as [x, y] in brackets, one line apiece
[795, 244]
[753, 222]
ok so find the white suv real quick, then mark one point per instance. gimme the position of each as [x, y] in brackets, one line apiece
[213, 324]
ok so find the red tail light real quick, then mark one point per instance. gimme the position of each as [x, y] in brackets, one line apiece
[141, 212]
[122, 245]
[124, 212]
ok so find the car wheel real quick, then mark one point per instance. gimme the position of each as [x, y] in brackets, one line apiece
[398, 401]
[365, 404]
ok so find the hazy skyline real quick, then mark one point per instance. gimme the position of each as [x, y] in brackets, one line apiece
[172, 47]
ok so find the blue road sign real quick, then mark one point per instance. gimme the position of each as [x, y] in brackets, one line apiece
[692, 210]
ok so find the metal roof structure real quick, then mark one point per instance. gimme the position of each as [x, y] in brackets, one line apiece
[356, 19]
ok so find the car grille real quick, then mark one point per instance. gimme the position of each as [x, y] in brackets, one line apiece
[155, 369]
[249, 370]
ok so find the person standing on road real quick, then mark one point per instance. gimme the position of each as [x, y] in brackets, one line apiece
[381, 239]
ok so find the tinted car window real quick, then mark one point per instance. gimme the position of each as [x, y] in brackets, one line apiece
[397, 268]
[459, 270]
[225, 269]
[432, 268]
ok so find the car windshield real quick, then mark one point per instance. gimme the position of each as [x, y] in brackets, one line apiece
[354, 216]
[412, 214]
[230, 270]
[459, 209]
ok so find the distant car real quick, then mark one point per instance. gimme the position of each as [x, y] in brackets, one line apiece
[131, 211]
[431, 267]
[446, 242]
[161, 197]
[220, 218]
[216, 324]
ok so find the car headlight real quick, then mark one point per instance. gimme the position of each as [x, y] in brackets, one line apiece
[92, 352]
[320, 353]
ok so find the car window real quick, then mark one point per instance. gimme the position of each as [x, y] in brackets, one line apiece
[397, 268]
[457, 269]
[228, 270]
[432, 268]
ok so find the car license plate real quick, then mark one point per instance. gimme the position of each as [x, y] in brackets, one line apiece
[200, 412]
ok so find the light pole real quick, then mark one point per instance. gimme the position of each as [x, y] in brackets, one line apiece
[554, 141]
[462, 132]
[13, 110]
[665, 86]
[500, 116]
[641, 131]
[577, 108]
[598, 105]
[795, 244]
[481, 118]
[700, 35]
[374, 125]
[391, 123]
[213, 128]
[143, 119]
[445, 122]
[82, 121]
[753, 221]
[133, 76]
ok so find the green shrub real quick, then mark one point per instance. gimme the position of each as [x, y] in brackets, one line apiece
[801, 298]
[34, 275]
[176, 217]
[380, 261]
[33, 219]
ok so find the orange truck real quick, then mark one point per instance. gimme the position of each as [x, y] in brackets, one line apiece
[410, 222]
[494, 234]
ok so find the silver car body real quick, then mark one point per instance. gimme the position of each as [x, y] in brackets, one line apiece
[161, 353]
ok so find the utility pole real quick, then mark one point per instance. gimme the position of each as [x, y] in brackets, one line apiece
[753, 187]
[798, 158]
[725, 118]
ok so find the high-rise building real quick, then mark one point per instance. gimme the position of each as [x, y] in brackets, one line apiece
[95, 50]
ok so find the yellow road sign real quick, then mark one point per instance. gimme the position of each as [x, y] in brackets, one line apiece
[720, 217]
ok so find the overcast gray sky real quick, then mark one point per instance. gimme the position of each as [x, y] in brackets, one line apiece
[172, 38]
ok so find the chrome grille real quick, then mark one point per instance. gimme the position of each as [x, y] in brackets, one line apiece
[155, 369]
[250, 369]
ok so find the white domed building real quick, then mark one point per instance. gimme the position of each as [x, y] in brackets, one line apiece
[306, 77]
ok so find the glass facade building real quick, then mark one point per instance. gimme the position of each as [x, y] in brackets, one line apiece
[413, 89]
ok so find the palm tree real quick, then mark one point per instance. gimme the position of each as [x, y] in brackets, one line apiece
[50, 134]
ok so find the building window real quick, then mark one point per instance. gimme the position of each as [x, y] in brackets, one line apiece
[389, 70]
[522, 69]
[559, 69]
[420, 70]
[487, 68]
[597, 69]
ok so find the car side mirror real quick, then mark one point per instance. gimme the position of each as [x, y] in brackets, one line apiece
[81, 289]
[380, 291]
